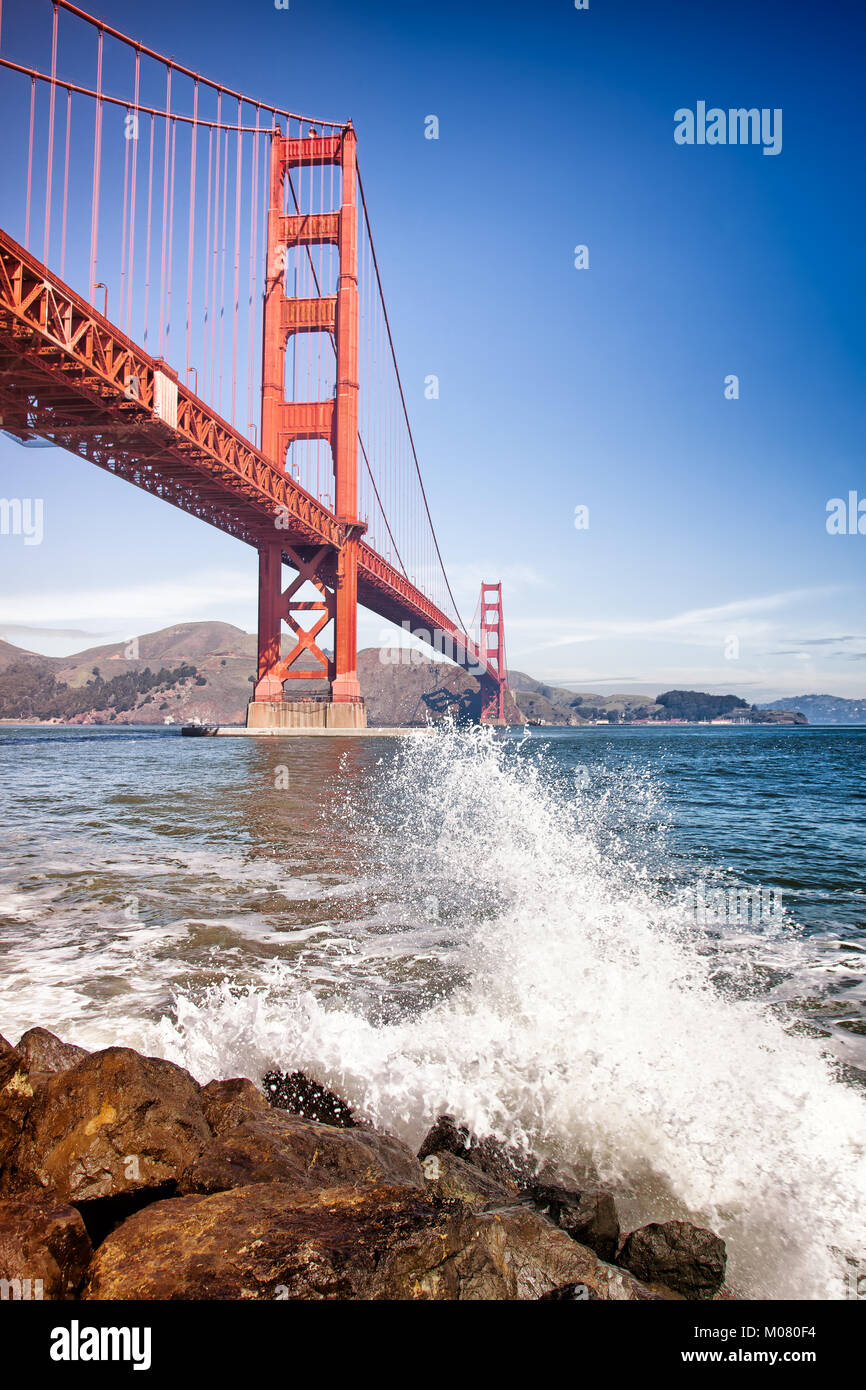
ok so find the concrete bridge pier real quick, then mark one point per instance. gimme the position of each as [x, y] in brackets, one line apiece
[306, 714]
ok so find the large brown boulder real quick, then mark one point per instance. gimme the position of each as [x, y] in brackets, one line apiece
[337, 1157]
[44, 1248]
[45, 1052]
[588, 1216]
[687, 1258]
[17, 1091]
[252, 1152]
[23, 1070]
[267, 1241]
[499, 1161]
[451, 1179]
[228, 1103]
[114, 1124]
[276, 1147]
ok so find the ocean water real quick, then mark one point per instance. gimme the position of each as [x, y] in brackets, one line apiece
[637, 951]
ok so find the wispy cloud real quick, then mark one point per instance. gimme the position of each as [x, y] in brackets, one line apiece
[115, 607]
[703, 626]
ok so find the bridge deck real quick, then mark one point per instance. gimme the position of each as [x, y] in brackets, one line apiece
[68, 375]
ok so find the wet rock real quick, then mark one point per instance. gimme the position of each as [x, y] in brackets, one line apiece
[687, 1258]
[268, 1242]
[229, 1103]
[10, 1060]
[262, 1241]
[588, 1216]
[301, 1095]
[112, 1125]
[337, 1156]
[23, 1071]
[44, 1052]
[511, 1253]
[17, 1091]
[500, 1162]
[250, 1153]
[277, 1147]
[44, 1248]
[451, 1179]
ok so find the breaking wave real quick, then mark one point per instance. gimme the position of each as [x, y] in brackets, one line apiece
[573, 1008]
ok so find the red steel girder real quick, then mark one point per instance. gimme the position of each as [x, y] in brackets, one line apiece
[310, 149]
[309, 315]
[310, 229]
[46, 328]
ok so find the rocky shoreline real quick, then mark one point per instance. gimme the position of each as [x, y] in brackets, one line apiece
[123, 1178]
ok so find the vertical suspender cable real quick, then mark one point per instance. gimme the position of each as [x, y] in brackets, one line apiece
[238, 171]
[65, 183]
[170, 239]
[161, 333]
[206, 315]
[191, 238]
[30, 162]
[97, 160]
[216, 214]
[147, 238]
[126, 143]
[222, 295]
[50, 161]
[132, 202]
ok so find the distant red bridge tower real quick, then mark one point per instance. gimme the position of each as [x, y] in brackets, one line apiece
[492, 652]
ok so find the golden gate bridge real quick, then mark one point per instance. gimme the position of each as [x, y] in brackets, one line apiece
[190, 298]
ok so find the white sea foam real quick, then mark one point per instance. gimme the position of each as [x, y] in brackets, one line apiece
[585, 1025]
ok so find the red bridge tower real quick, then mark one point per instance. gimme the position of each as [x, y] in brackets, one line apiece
[333, 572]
[492, 651]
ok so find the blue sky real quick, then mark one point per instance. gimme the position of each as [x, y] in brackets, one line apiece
[559, 387]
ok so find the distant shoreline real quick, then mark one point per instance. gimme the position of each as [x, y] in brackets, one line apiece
[572, 728]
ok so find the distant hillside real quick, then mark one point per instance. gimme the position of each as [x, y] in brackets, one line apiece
[824, 709]
[404, 688]
[550, 704]
[202, 671]
[28, 692]
[555, 705]
[188, 671]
